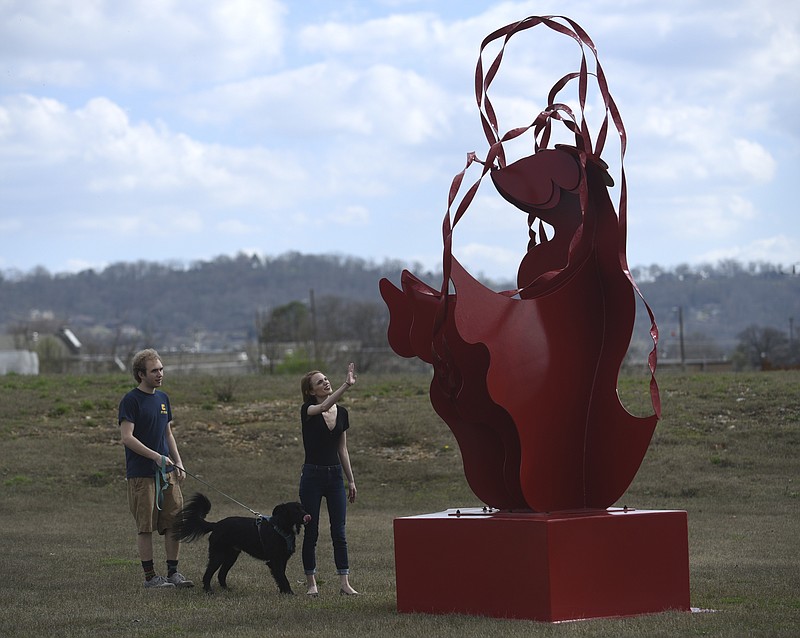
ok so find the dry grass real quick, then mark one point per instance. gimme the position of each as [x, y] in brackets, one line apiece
[726, 451]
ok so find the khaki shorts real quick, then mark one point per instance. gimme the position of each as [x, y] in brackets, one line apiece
[142, 503]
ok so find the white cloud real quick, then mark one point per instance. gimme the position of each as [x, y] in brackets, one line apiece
[352, 216]
[119, 156]
[741, 209]
[33, 133]
[779, 249]
[394, 34]
[178, 222]
[488, 212]
[754, 160]
[149, 44]
[489, 259]
[235, 227]
[701, 217]
[166, 219]
[772, 49]
[112, 224]
[385, 103]
[60, 73]
[251, 30]
[698, 143]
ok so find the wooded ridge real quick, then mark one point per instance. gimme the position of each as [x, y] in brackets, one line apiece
[217, 304]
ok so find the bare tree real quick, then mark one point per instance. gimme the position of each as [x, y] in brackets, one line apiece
[762, 347]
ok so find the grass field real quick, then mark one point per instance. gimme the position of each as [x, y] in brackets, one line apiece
[727, 451]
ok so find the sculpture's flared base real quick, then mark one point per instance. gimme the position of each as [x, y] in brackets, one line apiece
[548, 567]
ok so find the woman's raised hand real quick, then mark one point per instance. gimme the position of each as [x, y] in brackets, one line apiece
[351, 374]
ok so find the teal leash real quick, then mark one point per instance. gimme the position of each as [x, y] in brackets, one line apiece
[162, 481]
[162, 484]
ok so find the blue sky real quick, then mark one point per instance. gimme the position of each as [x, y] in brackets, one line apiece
[180, 130]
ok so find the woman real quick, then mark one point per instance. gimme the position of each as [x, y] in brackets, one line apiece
[326, 464]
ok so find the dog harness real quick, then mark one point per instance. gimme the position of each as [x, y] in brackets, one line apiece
[288, 537]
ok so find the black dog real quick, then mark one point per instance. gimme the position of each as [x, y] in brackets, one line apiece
[271, 539]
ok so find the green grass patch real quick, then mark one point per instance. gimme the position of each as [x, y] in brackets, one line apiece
[18, 480]
[118, 562]
[727, 451]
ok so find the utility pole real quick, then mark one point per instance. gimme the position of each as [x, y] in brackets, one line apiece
[680, 335]
[313, 309]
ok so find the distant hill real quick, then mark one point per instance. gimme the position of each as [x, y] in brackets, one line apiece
[217, 301]
[174, 304]
[716, 304]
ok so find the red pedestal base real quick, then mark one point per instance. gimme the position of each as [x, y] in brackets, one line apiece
[547, 567]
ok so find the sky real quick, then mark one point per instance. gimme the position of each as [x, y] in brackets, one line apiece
[182, 130]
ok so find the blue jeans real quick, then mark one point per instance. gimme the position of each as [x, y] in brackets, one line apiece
[316, 482]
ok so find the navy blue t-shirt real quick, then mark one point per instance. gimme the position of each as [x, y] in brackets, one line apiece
[150, 415]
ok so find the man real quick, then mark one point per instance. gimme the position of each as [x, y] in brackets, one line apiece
[153, 467]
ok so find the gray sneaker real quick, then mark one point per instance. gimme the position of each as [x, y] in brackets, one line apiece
[158, 581]
[179, 580]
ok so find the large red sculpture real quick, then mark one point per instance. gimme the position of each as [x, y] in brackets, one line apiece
[527, 379]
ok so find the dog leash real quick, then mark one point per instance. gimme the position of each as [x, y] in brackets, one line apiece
[260, 518]
[162, 481]
[216, 489]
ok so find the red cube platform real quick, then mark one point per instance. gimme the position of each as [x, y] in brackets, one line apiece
[548, 567]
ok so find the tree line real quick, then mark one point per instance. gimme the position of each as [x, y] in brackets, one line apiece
[727, 310]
